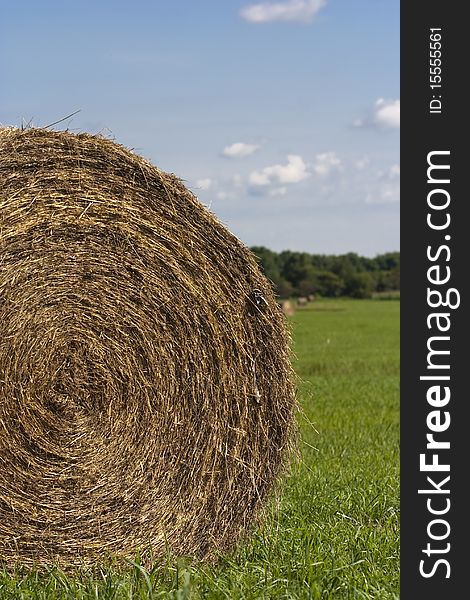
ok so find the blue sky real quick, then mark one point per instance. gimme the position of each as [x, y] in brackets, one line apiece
[283, 117]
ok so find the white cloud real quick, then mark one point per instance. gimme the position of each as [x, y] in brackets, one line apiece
[302, 11]
[386, 194]
[294, 171]
[204, 184]
[391, 174]
[385, 115]
[362, 163]
[259, 177]
[386, 188]
[326, 163]
[239, 149]
[278, 191]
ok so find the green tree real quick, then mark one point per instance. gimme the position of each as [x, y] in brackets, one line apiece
[300, 273]
[284, 288]
[329, 284]
[360, 285]
[296, 267]
[269, 263]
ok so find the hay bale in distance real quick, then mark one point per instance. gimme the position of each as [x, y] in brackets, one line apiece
[146, 393]
[288, 308]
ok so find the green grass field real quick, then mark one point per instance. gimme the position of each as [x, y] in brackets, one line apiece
[334, 531]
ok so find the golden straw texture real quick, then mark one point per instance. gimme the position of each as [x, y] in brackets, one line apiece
[146, 394]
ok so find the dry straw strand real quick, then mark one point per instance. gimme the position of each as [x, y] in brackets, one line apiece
[146, 393]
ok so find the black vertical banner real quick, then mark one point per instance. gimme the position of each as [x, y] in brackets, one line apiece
[435, 359]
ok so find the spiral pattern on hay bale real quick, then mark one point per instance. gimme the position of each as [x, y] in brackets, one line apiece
[146, 393]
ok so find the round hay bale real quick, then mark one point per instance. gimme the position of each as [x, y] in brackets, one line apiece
[287, 307]
[146, 394]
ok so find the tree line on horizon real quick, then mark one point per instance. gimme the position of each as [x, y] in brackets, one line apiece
[296, 274]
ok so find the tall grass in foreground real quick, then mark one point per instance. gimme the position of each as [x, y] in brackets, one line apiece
[334, 531]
